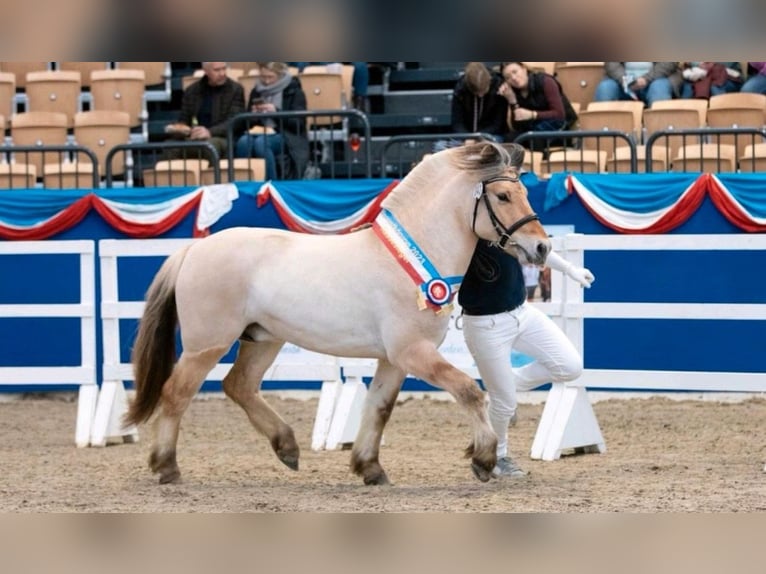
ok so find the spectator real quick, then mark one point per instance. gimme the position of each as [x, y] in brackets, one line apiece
[705, 79]
[648, 82]
[536, 100]
[531, 279]
[360, 82]
[756, 81]
[207, 107]
[276, 90]
[476, 104]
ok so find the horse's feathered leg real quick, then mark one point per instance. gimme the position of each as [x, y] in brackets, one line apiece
[242, 384]
[424, 361]
[378, 405]
[188, 375]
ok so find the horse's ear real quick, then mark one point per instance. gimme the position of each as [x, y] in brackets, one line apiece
[484, 154]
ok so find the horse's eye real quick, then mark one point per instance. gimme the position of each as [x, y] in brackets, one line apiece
[503, 197]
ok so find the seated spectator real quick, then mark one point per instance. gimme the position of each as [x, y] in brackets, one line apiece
[276, 90]
[360, 82]
[756, 81]
[705, 79]
[476, 104]
[207, 107]
[536, 100]
[648, 82]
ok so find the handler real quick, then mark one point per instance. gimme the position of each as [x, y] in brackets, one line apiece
[496, 319]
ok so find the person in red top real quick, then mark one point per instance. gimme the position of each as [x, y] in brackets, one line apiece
[536, 100]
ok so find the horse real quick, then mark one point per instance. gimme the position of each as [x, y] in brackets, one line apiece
[382, 292]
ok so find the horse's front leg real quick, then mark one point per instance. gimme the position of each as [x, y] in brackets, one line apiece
[425, 362]
[378, 405]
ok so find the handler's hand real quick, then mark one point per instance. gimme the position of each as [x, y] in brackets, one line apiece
[582, 275]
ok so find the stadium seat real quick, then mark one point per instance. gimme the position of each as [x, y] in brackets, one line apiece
[620, 161]
[245, 169]
[85, 69]
[38, 129]
[123, 91]
[579, 80]
[754, 158]
[68, 175]
[157, 75]
[620, 120]
[21, 69]
[100, 131]
[736, 117]
[54, 91]
[699, 105]
[586, 161]
[664, 119]
[713, 158]
[17, 176]
[637, 108]
[7, 97]
[180, 172]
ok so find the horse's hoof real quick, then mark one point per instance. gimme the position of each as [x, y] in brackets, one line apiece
[171, 477]
[480, 472]
[380, 479]
[290, 461]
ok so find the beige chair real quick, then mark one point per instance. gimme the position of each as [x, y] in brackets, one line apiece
[606, 119]
[586, 161]
[738, 100]
[155, 73]
[175, 172]
[100, 131]
[620, 161]
[245, 169]
[7, 97]
[39, 129]
[547, 67]
[697, 104]
[664, 119]
[713, 158]
[21, 69]
[17, 176]
[579, 80]
[324, 91]
[533, 162]
[85, 69]
[54, 91]
[121, 90]
[754, 158]
[346, 73]
[637, 108]
[68, 175]
[736, 117]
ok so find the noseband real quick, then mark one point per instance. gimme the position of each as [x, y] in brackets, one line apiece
[504, 235]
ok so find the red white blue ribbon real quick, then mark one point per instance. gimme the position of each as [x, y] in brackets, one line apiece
[434, 291]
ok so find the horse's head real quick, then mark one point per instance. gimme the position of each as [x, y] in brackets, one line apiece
[501, 212]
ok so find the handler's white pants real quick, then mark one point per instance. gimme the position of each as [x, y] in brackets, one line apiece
[490, 339]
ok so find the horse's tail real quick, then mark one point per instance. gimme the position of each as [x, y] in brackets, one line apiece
[154, 351]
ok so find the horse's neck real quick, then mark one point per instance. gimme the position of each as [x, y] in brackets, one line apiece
[440, 227]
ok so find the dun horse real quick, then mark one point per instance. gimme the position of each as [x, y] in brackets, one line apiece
[380, 293]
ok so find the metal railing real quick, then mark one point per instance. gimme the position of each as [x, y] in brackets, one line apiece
[410, 148]
[136, 162]
[67, 154]
[546, 142]
[702, 136]
[329, 133]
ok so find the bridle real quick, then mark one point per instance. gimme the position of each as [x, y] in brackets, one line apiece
[504, 235]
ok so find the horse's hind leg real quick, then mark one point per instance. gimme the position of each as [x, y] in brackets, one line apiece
[378, 405]
[187, 377]
[242, 385]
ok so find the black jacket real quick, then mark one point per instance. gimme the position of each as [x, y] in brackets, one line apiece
[491, 110]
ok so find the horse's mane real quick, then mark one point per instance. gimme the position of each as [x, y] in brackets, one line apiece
[481, 161]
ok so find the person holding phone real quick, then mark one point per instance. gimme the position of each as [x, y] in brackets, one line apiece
[274, 138]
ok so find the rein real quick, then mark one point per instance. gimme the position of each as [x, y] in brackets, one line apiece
[434, 291]
[504, 234]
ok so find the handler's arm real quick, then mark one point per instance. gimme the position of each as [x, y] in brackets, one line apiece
[580, 274]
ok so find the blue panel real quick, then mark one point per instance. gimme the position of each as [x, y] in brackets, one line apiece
[677, 276]
[40, 342]
[21, 282]
[675, 345]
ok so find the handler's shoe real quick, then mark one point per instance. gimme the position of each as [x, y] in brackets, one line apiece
[506, 467]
